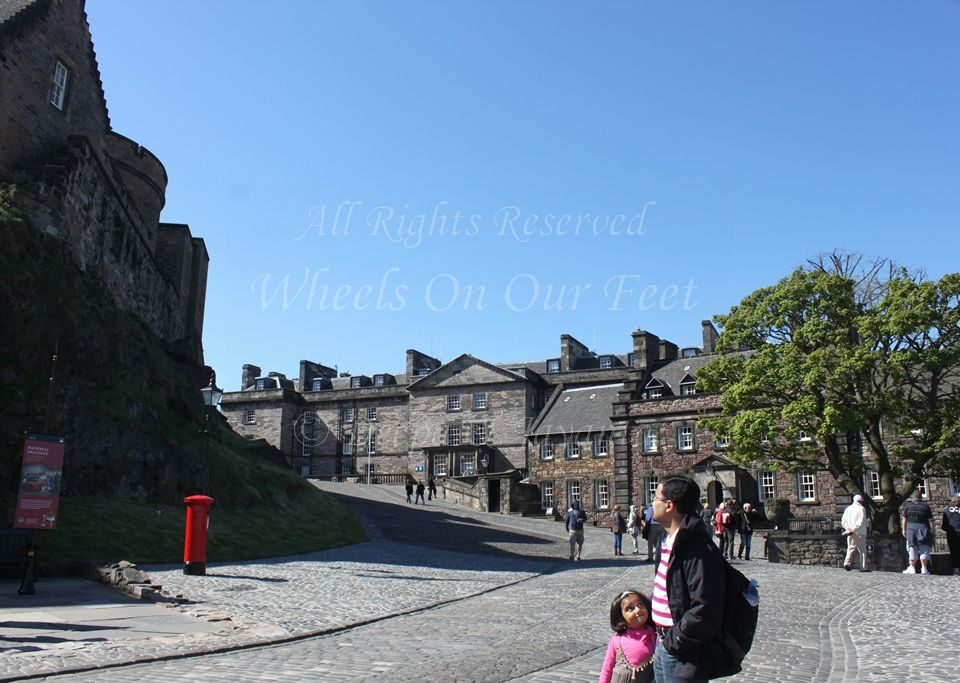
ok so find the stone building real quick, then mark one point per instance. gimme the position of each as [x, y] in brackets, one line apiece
[79, 181]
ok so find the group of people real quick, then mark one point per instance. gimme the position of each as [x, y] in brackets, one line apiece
[674, 634]
[727, 521]
[431, 487]
[638, 524]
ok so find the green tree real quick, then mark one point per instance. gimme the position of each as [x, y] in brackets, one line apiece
[838, 355]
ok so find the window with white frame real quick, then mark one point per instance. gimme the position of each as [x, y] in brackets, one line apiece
[379, 380]
[348, 444]
[468, 464]
[371, 443]
[874, 484]
[553, 365]
[440, 465]
[372, 414]
[922, 487]
[369, 468]
[348, 414]
[453, 402]
[61, 79]
[723, 441]
[249, 416]
[355, 382]
[573, 490]
[631, 358]
[656, 392]
[685, 438]
[601, 494]
[651, 440]
[480, 433]
[768, 486]
[546, 494]
[573, 448]
[652, 483]
[453, 435]
[480, 401]
[806, 486]
[600, 445]
[688, 388]
[954, 487]
[546, 450]
[606, 362]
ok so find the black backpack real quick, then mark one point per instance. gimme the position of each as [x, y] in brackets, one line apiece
[741, 610]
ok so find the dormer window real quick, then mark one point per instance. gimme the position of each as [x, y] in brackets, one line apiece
[354, 382]
[654, 388]
[688, 386]
[553, 365]
[606, 362]
[631, 358]
[319, 384]
[379, 380]
[58, 90]
[264, 383]
[421, 372]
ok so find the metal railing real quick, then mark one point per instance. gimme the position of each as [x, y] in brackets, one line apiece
[360, 478]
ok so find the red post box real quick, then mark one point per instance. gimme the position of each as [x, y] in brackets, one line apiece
[195, 539]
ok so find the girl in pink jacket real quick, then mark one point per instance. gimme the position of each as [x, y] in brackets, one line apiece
[630, 650]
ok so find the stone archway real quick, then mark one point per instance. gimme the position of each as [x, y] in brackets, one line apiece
[714, 494]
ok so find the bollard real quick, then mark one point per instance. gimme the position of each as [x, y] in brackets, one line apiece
[195, 537]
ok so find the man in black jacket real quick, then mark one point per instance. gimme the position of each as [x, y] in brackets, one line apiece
[688, 591]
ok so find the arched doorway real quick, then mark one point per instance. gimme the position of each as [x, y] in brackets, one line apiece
[714, 494]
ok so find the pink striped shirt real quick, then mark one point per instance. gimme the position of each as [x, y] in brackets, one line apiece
[661, 607]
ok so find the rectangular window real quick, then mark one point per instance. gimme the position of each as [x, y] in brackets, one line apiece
[249, 416]
[372, 414]
[306, 446]
[468, 464]
[348, 414]
[371, 443]
[553, 365]
[601, 494]
[379, 380]
[573, 448]
[685, 438]
[807, 487]
[606, 362]
[354, 382]
[688, 389]
[453, 402]
[573, 490]
[723, 442]
[479, 401]
[453, 435]
[316, 384]
[600, 445]
[655, 393]
[261, 384]
[479, 433]
[631, 358]
[768, 489]
[922, 487]
[546, 494]
[348, 444]
[440, 465]
[58, 91]
[368, 469]
[651, 440]
[652, 484]
[954, 487]
[546, 450]
[875, 484]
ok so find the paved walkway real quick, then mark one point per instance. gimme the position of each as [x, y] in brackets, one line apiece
[513, 609]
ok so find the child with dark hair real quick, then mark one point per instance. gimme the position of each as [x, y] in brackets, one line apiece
[630, 650]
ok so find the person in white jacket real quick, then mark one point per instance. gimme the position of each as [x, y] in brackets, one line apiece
[854, 523]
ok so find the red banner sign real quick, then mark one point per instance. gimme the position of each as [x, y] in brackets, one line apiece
[39, 497]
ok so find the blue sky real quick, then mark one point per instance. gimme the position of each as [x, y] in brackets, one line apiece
[704, 149]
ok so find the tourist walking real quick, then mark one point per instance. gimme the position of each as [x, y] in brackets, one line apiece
[574, 523]
[917, 527]
[731, 523]
[420, 490]
[748, 518]
[854, 523]
[688, 590]
[630, 649]
[718, 527]
[409, 488]
[431, 488]
[652, 531]
[617, 525]
[634, 522]
[951, 525]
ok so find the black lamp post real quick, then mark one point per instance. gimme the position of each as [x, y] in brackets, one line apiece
[211, 399]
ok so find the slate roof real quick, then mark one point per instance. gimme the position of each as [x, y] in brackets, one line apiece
[673, 372]
[578, 411]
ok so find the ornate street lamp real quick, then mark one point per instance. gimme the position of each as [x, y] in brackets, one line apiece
[211, 399]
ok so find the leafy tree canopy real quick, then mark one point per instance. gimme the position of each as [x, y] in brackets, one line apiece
[838, 355]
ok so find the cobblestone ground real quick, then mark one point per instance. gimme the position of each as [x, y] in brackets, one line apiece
[512, 612]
